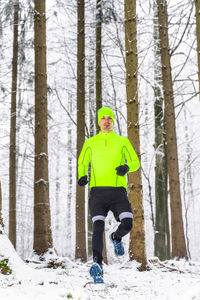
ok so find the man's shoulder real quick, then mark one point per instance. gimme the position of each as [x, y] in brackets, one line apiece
[91, 139]
[98, 136]
[121, 137]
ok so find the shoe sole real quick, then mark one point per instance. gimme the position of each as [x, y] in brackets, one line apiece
[96, 274]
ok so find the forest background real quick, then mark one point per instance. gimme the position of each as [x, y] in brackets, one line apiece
[61, 37]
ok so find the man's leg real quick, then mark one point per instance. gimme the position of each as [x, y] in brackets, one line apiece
[124, 228]
[122, 211]
[96, 270]
[116, 237]
[98, 212]
[97, 241]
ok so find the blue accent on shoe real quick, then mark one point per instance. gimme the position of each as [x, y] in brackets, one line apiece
[96, 271]
[118, 246]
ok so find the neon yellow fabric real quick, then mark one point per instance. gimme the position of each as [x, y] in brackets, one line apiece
[105, 152]
[106, 111]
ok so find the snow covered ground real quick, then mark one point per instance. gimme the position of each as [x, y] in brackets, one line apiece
[33, 281]
[122, 281]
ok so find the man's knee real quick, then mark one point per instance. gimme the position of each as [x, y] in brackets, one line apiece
[127, 224]
[98, 226]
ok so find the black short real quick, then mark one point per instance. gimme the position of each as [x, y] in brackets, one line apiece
[105, 199]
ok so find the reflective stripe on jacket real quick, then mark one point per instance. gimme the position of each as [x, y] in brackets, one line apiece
[105, 152]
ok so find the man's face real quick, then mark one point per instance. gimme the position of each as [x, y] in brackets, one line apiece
[106, 124]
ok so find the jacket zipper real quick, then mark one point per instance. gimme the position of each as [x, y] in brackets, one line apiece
[106, 140]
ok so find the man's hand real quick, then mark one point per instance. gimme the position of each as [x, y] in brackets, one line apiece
[122, 170]
[83, 180]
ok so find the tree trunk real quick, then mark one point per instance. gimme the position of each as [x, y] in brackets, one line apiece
[57, 234]
[137, 235]
[92, 121]
[197, 5]
[70, 181]
[98, 60]
[188, 193]
[162, 241]
[80, 191]
[178, 238]
[42, 220]
[99, 81]
[105, 257]
[12, 169]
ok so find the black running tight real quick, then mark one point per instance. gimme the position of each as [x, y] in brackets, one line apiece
[97, 239]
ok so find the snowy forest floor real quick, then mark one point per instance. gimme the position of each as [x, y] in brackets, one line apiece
[178, 280]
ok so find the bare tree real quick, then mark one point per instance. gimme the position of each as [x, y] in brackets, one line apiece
[42, 221]
[162, 234]
[137, 236]
[70, 178]
[80, 192]
[92, 125]
[98, 58]
[12, 163]
[177, 230]
[197, 6]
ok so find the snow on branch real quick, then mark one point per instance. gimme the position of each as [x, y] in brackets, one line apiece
[41, 180]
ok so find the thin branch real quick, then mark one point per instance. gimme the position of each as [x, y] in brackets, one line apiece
[180, 40]
[87, 131]
[64, 107]
[150, 197]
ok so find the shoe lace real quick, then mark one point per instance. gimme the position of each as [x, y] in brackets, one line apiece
[118, 245]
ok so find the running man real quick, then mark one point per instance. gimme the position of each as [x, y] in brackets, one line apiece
[111, 157]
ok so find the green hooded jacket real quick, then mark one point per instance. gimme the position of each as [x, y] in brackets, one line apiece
[105, 152]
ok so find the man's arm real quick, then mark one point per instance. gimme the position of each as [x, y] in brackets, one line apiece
[84, 160]
[131, 156]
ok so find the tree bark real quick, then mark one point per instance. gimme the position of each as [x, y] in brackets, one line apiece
[57, 233]
[70, 180]
[42, 220]
[12, 163]
[80, 252]
[99, 81]
[98, 60]
[162, 235]
[92, 129]
[137, 235]
[197, 6]
[177, 230]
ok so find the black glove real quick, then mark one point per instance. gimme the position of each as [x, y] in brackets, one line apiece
[83, 180]
[122, 170]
